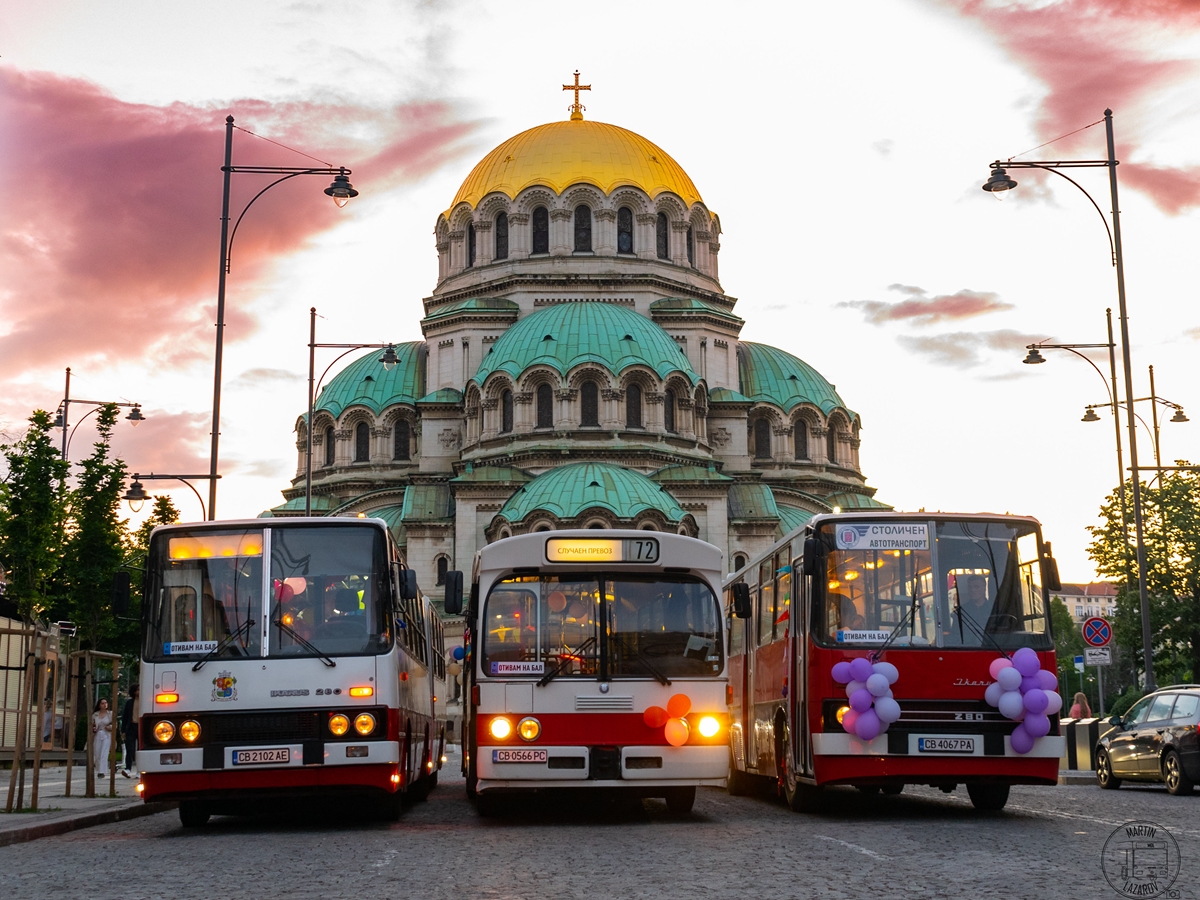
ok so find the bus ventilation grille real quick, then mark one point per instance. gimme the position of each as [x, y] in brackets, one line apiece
[586, 704]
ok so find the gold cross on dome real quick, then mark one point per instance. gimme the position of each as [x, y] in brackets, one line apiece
[577, 108]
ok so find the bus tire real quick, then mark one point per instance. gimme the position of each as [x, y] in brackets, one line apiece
[988, 797]
[488, 805]
[800, 797]
[680, 800]
[389, 807]
[738, 784]
[193, 814]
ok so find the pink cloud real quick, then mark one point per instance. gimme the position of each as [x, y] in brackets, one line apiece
[921, 309]
[962, 349]
[110, 237]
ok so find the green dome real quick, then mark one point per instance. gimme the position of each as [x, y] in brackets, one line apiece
[365, 382]
[769, 375]
[569, 490]
[567, 334]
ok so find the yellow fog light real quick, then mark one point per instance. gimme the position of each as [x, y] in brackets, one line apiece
[709, 726]
[364, 724]
[339, 724]
[842, 710]
[189, 731]
[164, 731]
[500, 728]
[529, 729]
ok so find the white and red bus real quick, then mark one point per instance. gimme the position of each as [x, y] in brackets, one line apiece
[595, 660]
[285, 658]
[937, 604]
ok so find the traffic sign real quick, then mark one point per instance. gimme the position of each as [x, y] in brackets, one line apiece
[1097, 656]
[1079, 664]
[1097, 632]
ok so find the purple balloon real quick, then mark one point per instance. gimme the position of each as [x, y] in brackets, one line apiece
[1047, 680]
[1030, 683]
[993, 693]
[1026, 661]
[878, 685]
[1022, 740]
[861, 700]
[1009, 679]
[1036, 702]
[888, 671]
[849, 717]
[867, 725]
[1036, 725]
[861, 668]
[841, 672]
[1011, 704]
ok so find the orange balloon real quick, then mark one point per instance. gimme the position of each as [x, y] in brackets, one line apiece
[655, 716]
[557, 601]
[679, 705]
[676, 732]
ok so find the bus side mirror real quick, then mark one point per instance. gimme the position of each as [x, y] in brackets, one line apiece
[408, 584]
[812, 552]
[741, 600]
[453, 601]
[120, 595]
[1053, 582]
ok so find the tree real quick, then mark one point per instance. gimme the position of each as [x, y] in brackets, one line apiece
[31, 516]
[127, 634]
[1068, 643]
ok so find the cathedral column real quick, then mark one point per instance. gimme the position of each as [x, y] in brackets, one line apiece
[458, 252]
[561, 243]
[301, 448]
[485, 247]
[702, 257]
[685, 418]
[612, 418]
[523, 412]
[381, 453]
[678, 247]
[644, 236]
[654, 412]
[520, 238]
[490, 425]
[443, 251]
[344, 447]
[563, 419]
[818, 449]
[713, 247]
[604, 238]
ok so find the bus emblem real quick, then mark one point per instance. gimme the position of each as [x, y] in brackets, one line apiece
[223, 687]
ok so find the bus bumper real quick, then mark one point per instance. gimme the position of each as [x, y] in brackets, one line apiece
[648, 766]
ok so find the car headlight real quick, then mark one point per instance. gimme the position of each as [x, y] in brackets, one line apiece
[709, 726]
[500, 728]
[339, 724]
[529, 728]
[164, 731]
[189, 731]
[364, 724]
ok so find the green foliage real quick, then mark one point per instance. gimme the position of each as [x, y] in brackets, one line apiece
[1121, 705]
[31, 516]
[1068, 643]
[127, 635]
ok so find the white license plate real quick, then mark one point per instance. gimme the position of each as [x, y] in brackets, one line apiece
[519, 756]
[946, 745]
[264, 756]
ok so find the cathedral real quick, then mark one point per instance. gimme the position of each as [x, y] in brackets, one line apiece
[581, 368]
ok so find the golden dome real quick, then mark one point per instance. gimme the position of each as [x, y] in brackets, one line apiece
[560, 154]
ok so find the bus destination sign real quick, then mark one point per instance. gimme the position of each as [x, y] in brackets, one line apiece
[882, 536]
[586, 550]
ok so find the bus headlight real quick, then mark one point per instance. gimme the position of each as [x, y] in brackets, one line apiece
[709, 726]
[189, 731]
[364, 724]
[841, 713]
[164, 731]
[529, 728]
[339, 724]
[500, 728]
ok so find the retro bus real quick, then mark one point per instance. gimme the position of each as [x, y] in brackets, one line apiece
[285, 658]
[941, 598]
[594, 660]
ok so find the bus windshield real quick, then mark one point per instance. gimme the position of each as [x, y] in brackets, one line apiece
[958, 583]
[600, 626]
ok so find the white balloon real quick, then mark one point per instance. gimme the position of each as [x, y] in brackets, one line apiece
[888, 671]
[993, 693]
[1010, 679]
[877, 684]
[887, 709]
[1056, 702]
[1011, 704]
[854, 686]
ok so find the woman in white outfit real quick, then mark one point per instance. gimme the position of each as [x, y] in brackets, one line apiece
[102, 730]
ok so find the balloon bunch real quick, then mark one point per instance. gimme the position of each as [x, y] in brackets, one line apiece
[869, 687]
[671, 720]
[1024, 692]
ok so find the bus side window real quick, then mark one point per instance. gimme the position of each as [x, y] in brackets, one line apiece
[766, 604]
[783, 595]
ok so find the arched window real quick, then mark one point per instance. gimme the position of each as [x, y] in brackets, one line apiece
[506, 412]
[502, 236]
[669, 411]
[762, 439]
[691, 247]
[624, 230]
[831, 444]
[402, 440]
[362, 442]
[583, 229]
[589, 399]
[541, 230]
[800, 439]
[739, 562]
[633, 406]
[442, 565]
[545, 406]
[470, 244]
[330, 446]
[660, 236]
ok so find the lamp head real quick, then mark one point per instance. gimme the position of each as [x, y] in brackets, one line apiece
[1034, 357]
[389, 358]
[135, 416]
[999, 182]
[58, 418]
[136, 495]
[341, 190]
[1179, 416]
[1090, 415]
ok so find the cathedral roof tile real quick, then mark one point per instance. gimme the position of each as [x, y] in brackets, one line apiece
[569, 490]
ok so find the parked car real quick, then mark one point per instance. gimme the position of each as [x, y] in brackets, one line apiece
[1157, 740]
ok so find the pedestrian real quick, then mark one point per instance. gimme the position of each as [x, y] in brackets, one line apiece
[1080, 708]
[102, 731]
[130, 716]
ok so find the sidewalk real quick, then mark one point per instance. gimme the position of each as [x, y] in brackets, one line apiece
[58, 814]
[1076, 776]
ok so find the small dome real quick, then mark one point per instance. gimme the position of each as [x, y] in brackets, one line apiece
[560, 154]
[365, 382]
[567, 334]
[569, 490]
[769, 375]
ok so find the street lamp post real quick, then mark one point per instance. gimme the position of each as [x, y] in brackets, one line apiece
[62, 419]
[388, 359]
[136, 495]
[1155, 433]
[1000, 181]
[340, 190]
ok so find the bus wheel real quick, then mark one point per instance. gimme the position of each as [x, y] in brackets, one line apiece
[389, 807]
[800, 797]
[193, 814]
[681, 800]
[988, 797]
[488, 804]
[893, 790]
[868, 788]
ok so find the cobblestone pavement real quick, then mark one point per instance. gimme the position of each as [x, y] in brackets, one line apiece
[923, 843]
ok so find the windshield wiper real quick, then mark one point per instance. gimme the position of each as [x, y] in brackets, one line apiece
[307, 645]
[650, 667]
[979, 631]
[225, 642]
[564, 661]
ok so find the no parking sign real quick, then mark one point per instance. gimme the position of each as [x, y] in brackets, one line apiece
[1097, 632]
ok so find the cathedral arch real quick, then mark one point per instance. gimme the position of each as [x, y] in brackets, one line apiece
[589, 404]
[500, 241]
[760, 431]
[402, 439]
[545, 405]
[540, 226]
[583, 228]
[362, 442]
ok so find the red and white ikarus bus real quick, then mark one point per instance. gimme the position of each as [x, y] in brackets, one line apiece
[934, 604]
[595, 660]
[285, 658]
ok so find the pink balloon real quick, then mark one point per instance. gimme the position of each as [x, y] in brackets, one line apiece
[997, 665]
[867, 725]
[1036, 725]
[1036, 702]
[1022, 740]
[1047, 680]
[861, 700]
[1026, 662]
[849, 717]
[861, 668]
[841, 672]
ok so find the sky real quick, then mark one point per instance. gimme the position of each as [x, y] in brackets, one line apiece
[842, 145]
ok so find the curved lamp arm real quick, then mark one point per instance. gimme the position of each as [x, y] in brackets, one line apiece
[67, 451]
[229, 249]
[1111, 247]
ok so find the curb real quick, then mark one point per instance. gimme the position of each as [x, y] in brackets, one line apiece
[1077, 777]
[65, 824]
